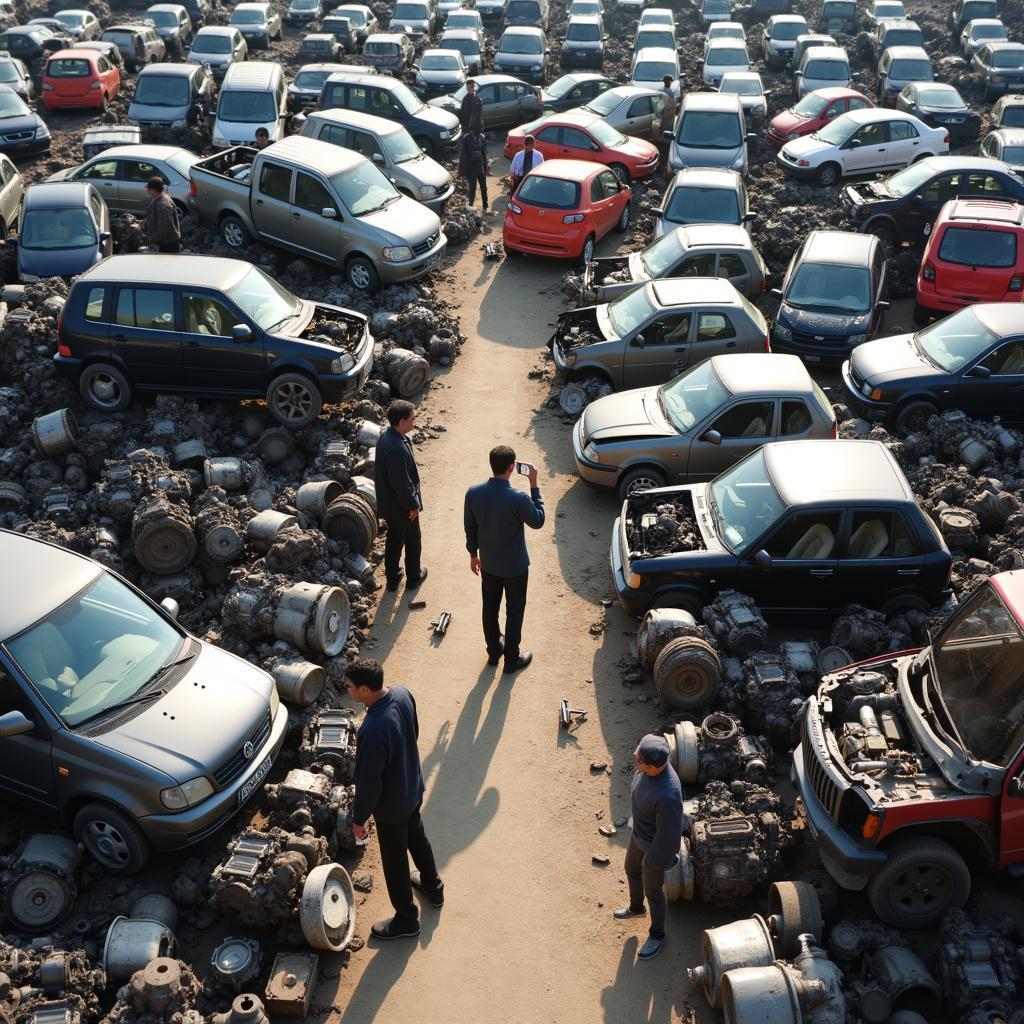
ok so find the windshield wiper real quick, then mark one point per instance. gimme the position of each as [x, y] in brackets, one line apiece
[138, 698]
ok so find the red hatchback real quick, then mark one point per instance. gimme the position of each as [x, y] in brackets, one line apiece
[975, 253]
[815, 111]
[581, 135]
[79, 78]
[563, 207]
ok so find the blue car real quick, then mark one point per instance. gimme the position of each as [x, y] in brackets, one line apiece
[64, 230]
[22, 132]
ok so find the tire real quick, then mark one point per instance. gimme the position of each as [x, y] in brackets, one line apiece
[921, 882]
[105, 387]
[687, 673]
[623, 222]
[362, 274]
[903, 603]
[620, 172]
[681, 600]
[587, 252]
[234, 232]
[294, 400]
[425, 144]
[182, 210]
[883, 231]
[910, 414]
[643, 478]
[828, 175]
[112, 837]
[105, 104]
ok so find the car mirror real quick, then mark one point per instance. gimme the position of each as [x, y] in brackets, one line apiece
[639, 341]
[711, 436]
[766, 92]
[882, 304]
[979, 372]
[658, 211]
[329, 212]
[749, 217]
[762, 560]
[241, 332]
[105, 236]
[853, 144]
[668, 135]
[777, 294]
[14, 723]
[750, 137]
[378, 158]
[415, 67]
[170, 606]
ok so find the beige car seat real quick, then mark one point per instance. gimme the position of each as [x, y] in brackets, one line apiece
[817, 542]
[869, 540]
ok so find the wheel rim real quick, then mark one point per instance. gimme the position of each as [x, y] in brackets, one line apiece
[642, 483]
[921, 890]
[104, 389]
[588, 250]
[292, 401]
[359, 275]
[828, 176]
[620, 173]
[106, 844]
[234, 235]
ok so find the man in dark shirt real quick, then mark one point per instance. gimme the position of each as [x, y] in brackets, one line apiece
[473, 164]
[657, 804]
[389, 787]
[161, 224]
[471, 110]
[397, 485]
[493, 516]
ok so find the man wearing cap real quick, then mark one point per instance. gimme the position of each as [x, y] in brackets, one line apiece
[524, 161]
[657, 804]
[471, 110]
[161, 224]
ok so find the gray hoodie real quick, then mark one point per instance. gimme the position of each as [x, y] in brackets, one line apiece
[657, 802]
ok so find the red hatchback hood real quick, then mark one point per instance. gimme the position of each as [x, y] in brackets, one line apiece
[787, 122]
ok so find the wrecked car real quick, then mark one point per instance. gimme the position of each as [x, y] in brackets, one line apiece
[800, 526]
[656, 332]
[911, 766]
[204, 325]
[116, 719]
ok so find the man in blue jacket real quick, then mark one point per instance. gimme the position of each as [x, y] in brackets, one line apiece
[399, 503]
[494, 516]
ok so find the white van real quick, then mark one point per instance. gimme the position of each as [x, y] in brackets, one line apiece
[254, 95]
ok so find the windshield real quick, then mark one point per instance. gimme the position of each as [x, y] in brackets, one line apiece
[829, 286]
[73, 20]
[382, 49]
[740, 86]
[163, 18]
[838, 9]
[970, 248]
[911, 70]
[605, 103]
[50, 230]
[9, 72]
[629, 312]
[439, 62]
[692, 205]
[401, 147]
[953, 342]
[941, 99]
[733, 56]
[101, 647]
[162, 90]
[827, 70]
[709, 129]
[1013, 155]
[787, 31]
[247, 18]
[661, 255]
[654, 71]
[312, 80]
[906, 181]
[988, 32]
[12, 105]
[980, 9]
[356, 16]
[889, 10]
[462, 20]
[247, 107]
[520, 44]
[467, 47]
[126, 39]
[412, 12]
[406, 98]
[716, 7]
[211, 44]
[836, 132]
[363, 189]
[305, 5]
[263, 300]
[1008, 59]
[692, 396]
[551, 193]
[978, 669]
[584, 31]
[68, 67]
[744, 502]
[608, 136]
[811, 105]
[584, 7]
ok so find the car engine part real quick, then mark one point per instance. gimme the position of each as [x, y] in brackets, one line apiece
[164, 990]
[40, 882]
[132, 943]
[718, 749]
[235, 962]
[737, 623]
[327, 910]
[330, 739]
[309, 800]
[687, 673]
[292, 980]
[660, 625]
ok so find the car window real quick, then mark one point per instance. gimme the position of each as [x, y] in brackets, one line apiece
[362, 143]
[609, 184]
[941, 189]
[880, 533]
[380, 102]
[700, 265]
[673, 329]
[1007, 359]
[94, 303]
[488, 94]
[206, 315]
[311, 195]
[96, 205]
[357, 98]
[968, 247]
[7, 171]
[730, 265]
[899, 130]
[334, 134]
[983, 185]
[152, 308]
[596, 190]
[507, 92]
[275, 181]
[576, 139]
[139, 170]
[871, 134]
[714, 327]
[806, 536]
[796, 419]
[639, 107]
[853, 103]
[102, 170]
[748, 419]
[551, 134]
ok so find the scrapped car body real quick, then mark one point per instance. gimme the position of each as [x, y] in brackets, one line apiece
[64, 229]
[703, 195]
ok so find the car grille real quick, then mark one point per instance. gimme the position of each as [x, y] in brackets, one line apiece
[855, 378]
[234, 766]
[19, 136]
[822, 341]
[423, 247]
[823, 786]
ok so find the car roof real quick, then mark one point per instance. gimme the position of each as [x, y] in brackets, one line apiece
[1001, 318]
[682, 291]
[569, 170]
[943, 86]
[586, 19]
[581, 118]
[762, 373]
[73, 53]
[1009, 136]
[908, 53]
[522, 30]
[717, 26]
[327, 158]
[984, 22]
[742, 76]
[435, 50]
[145, 151]
[359, 77]
[170, 69]
[629, 92]
[939, 164]
[839, 247]
[1003, 212]
[713, 236]
[727, 43]
[706, 177]
[48, 576]
[786, 19]
[460, 33]
[176, 269]
[711, 101]
[867, 114]
[655, 53]
[254, 74]
[55, 194]
[805, 472]
[127, 26]
[903, 23]
[341, 116]
[834, 92]
[386, 37]
[833, 53]
[1004, 45]
[170, 8]
[216, 30]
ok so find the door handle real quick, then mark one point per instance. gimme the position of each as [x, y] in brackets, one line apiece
[680, 350]
[908, 572]
[193, 344]
[259, 202]
[120, 337]
[821, 573]
[296, 216]
[730, 344]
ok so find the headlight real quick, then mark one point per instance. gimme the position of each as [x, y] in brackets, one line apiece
[869, 392]
[445, 133]
[858, 339]
[42, 132]
[427, 191]
[783, 333]
[275, 702]
[181, 123]
[188, 794]
[590, 453]
[394, 253]
[342, 364]
[792, 136]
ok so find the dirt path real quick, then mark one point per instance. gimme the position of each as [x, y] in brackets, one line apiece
[512, 804]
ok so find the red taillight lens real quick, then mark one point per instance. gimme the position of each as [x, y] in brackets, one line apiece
[767, 346]
[192, 190]
[928, 273]
[1015, 283]
[514, 208]
[835, 430]
[64, 350]
[945, 138]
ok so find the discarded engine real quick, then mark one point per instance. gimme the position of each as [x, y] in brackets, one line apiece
[718, 749]
[737, 623]
[125, 482]
[659, 525]
[308, 799]
[864, 633]
[39, 882]
[165, 990]
[245, 1009]
[38, 983]
[330, 739]
[977, 963]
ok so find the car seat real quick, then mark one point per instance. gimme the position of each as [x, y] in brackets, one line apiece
[797, 421]
[1013, 362]
[755, 428]
[48, 657]
[869, 540]
[817, 542]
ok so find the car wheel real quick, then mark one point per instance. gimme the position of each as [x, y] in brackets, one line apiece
[913, 415]
[620, 172]
[425, 144]
[643, 478]
[234, 232]
[362, 274]
[588, 250]
[182, 210]
[922, 881]
[294, 400]
[679, 599]
[623, 219]
[883, 231]
[828, 175]
[112, 837]
[105, 387]
[903, 603]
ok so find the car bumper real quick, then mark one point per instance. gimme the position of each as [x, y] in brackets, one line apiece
[865, 408]
[563, 246]
[825, 353]
[93, 101]
[535, 76]
[438, 201]
[582, 58]
[432, 91]
[800, 173]
[28, 148]
[67, 366]
[173, 831]
[635, 602]
[409, 270]
[592, 472]
[644, 169]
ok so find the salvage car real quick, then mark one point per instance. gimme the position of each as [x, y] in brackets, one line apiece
[703, 195]
[439, 72]
[171, 96]
[12, 192]
[389, 52]
[15, 76]
[711, 131]
[1007, 146]
[173, 25]
[1002, 67]
[940, 106]
[74, 79]
[140, 44]
[523, 51]
[32, 44]
[699, 423]
[205, 325]
[97, 675]
[750, 89]
[899, 66]
[22, 131]
[584, 41]
[506, 100]
[799, 526]
[972, 360]
[655, 332]
[630, 110]
[259, 24]
[304, 12]
[573, 90]
[779, 37]
[813, 112]
[304, 91]
[218, 47]
[651, 65]
[897, 33]
[1008, 111]
[886, 10]
[467, 42]
[721, 57]
[80, 25]
[979, 32]
[821, 67]
[343, 31]
[363, 20]
[964, 11]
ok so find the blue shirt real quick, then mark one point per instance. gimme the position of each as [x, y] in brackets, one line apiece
[494, 516]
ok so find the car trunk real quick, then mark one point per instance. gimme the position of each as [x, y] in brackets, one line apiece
[661, 523]
[540, 218]
[975, 282]
[576, 327]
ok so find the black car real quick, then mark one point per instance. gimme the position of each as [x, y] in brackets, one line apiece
[832, 298]
[573, 90]
[22, 132]
[203, 325]
[903, 207]
[584, 41]
[304, 91]
[971, 360]
[32, 44]
[940, 105]
[800, 526]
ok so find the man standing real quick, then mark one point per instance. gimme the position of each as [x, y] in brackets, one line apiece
[262, 138]
[471, 110]
[389, 787]
[161, 226]
[668, 115]
[473, 164]
[657, 804]
[524, 161]
[494, 516]
[397, 484]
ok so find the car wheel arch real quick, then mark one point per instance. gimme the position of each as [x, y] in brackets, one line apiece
[971, 838]
[688, 598]
[303, 369]
[109, 358]
[584, 370]
[121, 801]
[916, 398]
[878, 220]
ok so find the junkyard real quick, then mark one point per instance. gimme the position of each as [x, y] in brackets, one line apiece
[769, 380]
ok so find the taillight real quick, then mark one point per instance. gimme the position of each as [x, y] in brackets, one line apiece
[1015, 283]
[192, 190]
[928, 273]
[945, 138]
[763, 287]
[573, 218]
[767, 346]
[515, 209]
[835, 430]
[95, 85]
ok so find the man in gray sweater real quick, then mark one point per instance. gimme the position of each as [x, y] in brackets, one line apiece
[657, 804]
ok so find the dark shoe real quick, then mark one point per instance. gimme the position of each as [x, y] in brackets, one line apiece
[413, 584]
[493, 659]
[649, 950]
[435, 894]
[395, 929]
[522, 661]
[627, 912]
[393, 584]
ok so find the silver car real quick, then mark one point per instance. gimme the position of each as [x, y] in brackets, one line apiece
[439, 72]
[711, 131]
[631, 109]
[120, 175]
[700, 423]
[218, 47]
[980, 31]
[655, 332]
[259, 24]
[1006, 144]
[12, 190]
[703, 195]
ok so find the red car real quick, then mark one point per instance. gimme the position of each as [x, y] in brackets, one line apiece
[563, 207]
[975, 253]
[581, 135]
[79, 78]
[815, 111]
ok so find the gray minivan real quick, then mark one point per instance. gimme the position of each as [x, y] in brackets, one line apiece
[171, 96]
[711, 132]
[822, 67]
[95, 675]
[899, 66]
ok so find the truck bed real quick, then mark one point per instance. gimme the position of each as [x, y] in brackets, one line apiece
[224, 175]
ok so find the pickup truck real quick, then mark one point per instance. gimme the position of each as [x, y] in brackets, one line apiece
[323, 202]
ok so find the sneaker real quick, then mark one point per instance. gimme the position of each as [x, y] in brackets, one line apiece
[493, 659]
[395, 929]
[627, 912]
[413, 584]
[521, 662]
[649, 950]
[435, 893]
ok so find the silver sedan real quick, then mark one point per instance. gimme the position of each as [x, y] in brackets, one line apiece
[633, 110]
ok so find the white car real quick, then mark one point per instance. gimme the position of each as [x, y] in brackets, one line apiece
[750, 89]
[651, 65]
[723, 56]
[862, 142]
[724, 30]
[980, 31]
[658, 16]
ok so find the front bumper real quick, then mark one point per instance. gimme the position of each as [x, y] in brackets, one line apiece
[794, 171]
[865, 408]
[582, 58]
[409, 270]
[439, 200]
[535, 76]
[30, 147]
[591, 472]
[824, 353]
[635, 602]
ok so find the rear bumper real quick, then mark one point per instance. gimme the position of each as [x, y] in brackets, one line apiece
[562, 246]
[92, 101]
[67, 366]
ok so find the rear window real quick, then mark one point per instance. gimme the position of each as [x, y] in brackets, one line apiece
[903, 37]
[383, 49]
[1012, 116]
[690, 205]
[831, 70]
[911, 70]
[709, 129]
[551, 193]
[1008, 59]
[68, 67]
[969, 248]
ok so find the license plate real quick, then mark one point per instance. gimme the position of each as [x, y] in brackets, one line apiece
[812, 359]
[432, 262]
[261, 773]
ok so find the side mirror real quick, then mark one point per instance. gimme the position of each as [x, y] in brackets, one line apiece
[329, 212]
[378, 158]
[241, 332]
[658, 211]
[415, 67]
[749, 217]
[979, 372]
[853, 144]
[170, 606]
[105, 236]
[1015, 787]
[882, 304]
[14, 723]
[711, 436]
[639, 341]
[777, 294]
[668, 135]
[762, 560]
[750, 137]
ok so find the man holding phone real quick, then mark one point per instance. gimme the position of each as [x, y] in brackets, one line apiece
[494, 516]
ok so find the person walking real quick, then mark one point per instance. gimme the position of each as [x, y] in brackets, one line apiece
[668, 115]
[389, 788]
[473, 164]
[399, 503]
[524, 161]
[471, 109]
[494, 516]
[162, 230]
[656, 797]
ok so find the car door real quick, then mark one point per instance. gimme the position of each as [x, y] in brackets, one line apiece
[11, 192]
[867, 148]
[109, 74]
[273, 202]
[132, 178]
[905, 144]
[880, 557]
[1001, 393]
[658, 350]
[916, 217]
[577, 145]
[606, 207]
[213, 359]
[734, 269]
[26, 765]
[144, 336]
[311, 230]
[549, 141]
[714, 335]
[104, 174]
[640, 118]
[729, 435]
[698, 264]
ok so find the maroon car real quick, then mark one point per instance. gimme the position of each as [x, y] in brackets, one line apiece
[814, 111]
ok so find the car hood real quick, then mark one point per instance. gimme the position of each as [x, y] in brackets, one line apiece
[18, 123]
[885, 360]
[807, 147]
[57, 262]
[523, 59]
[628, 415]
[819, 321]
[202, 722]
[425, 170]
[441, 77]
[405, 222]
[787, 122]
[638, 148]
[446, 103]
[441, 118]
[152, 112]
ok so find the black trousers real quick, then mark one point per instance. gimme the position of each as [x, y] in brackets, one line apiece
[397, 841]
[514, 590]
[403, 534]
[474, 178]
[646, 881]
